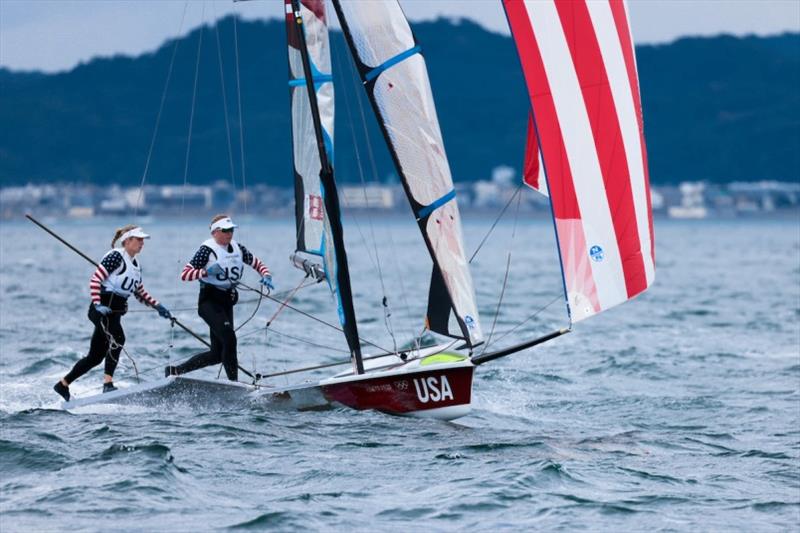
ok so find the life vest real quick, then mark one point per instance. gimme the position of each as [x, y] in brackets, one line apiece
[127, 277]
[231, 262]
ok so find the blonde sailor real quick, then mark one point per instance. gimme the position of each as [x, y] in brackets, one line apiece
[117, 277]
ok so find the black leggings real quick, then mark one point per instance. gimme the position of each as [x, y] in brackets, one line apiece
[216, 308]
[99, 347]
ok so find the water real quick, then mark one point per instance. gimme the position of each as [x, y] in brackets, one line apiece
[678, 411]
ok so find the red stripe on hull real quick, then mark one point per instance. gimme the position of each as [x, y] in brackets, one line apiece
[405, 393]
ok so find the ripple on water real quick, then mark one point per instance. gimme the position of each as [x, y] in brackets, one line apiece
[661, 478]
[273, 519]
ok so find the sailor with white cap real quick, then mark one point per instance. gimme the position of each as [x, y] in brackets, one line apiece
[219, 265]
[118, 276]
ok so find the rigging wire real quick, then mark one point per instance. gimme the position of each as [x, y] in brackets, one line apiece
[189, 134]
[239, 105]
[496, 220]
[387, 313]
[505, 276]
[299, 339]
[158, 116]
[224, 104]
[557, 298]
[191, 112]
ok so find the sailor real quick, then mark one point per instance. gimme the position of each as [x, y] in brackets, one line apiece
[117, 277]
[218, 265]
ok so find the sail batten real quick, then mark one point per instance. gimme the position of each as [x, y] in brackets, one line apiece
[578, 64]
[393, 70]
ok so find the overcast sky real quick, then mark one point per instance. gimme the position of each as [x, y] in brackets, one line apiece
[54, 35]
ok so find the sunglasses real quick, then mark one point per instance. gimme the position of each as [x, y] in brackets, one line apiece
[228, 230]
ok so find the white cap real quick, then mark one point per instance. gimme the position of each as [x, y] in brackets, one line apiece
[135, 232]
[223, 223]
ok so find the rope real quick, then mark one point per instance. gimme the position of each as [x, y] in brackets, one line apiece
[285, 302]
[158, 116]
[112, 345]
[312, 317]
[258, 304]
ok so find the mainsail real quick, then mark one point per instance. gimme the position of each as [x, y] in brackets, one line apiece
[319, 228]
[394, 74]
[309, 208]
[579, 66]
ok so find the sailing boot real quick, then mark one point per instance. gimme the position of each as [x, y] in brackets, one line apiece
[109, 387]
[62, 390]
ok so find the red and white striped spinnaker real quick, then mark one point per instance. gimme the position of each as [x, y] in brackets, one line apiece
[579, 66]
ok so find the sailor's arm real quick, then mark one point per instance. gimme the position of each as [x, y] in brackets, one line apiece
[144, 297]
[195, 269]
[109, 264]
[254, 262]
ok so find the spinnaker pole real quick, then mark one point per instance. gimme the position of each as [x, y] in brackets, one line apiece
[486, 357]
[331, 200]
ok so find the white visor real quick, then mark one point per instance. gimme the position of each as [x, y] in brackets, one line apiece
[135, 232]
[223, 223]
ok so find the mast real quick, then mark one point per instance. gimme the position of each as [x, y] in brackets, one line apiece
[347, 314]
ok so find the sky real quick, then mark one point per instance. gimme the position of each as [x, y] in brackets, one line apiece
[56, 35]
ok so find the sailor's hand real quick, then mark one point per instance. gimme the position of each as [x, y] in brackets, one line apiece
[163, 312]
[214, 269]
[102, 309]
[267, 282]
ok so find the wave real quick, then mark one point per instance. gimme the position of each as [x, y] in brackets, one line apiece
[24, 458]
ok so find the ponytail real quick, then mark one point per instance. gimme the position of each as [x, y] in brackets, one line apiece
[219, 217]
[119, 233]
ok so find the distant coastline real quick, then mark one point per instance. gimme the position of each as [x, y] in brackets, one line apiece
[689, 200]
[716, 109]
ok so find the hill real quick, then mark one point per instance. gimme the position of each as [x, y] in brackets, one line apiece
[721, 109]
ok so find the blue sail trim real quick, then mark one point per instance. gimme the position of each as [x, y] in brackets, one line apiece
[318, 77]
[389, 63]
[318, 80]
[430, 208]
[328, 145]
[331, 277]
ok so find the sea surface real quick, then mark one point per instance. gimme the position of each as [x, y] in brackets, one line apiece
[678, 411]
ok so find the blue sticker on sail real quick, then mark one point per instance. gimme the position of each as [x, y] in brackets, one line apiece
[469, 321]
[596, 253]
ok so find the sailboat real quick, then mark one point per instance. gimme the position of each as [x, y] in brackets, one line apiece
[585, 151]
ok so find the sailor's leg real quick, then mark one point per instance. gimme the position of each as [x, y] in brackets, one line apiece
[114, 328]
[229, 357]
[211, 313]
[97, 350]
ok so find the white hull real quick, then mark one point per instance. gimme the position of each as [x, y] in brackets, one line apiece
[422, 387]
